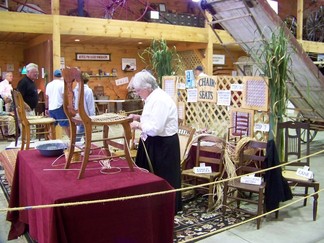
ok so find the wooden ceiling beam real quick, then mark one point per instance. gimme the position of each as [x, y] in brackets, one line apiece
[127, 29]
[26, 23]
[310, 46]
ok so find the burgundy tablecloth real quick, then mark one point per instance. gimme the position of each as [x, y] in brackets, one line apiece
[147, 219]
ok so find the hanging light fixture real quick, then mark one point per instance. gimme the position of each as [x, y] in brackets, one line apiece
[24, 70]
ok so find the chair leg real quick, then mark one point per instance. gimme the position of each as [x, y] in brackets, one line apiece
[87, 148]
[27, 137]
[129, 159]
[316, 188]
[105, 133]
[306, 193]
[23, 137]
[277, 214]
[225, 191]
[53, 131]
[260, 207]
[210, 196]
[72, 145]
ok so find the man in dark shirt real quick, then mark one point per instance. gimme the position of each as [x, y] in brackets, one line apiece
[26, 86]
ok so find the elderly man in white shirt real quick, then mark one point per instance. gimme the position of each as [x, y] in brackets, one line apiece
[5, 90]
[54, 101]
[159, 126]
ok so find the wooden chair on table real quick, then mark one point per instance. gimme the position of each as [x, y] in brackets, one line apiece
[79, 116]
[251, 160]
[210, 150]
[293, 134]
[40, 125]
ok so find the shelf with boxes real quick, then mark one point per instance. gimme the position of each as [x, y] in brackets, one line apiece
[183, 19]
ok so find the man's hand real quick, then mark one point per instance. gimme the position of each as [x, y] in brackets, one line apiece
[27, 107]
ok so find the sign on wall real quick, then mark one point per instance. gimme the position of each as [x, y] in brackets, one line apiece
[207, 89]
[218, 59]
[92, 56]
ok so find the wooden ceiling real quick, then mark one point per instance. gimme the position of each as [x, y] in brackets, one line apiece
[28, 38]
[70, 39]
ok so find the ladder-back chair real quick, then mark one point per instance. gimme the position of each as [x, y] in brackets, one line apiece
[293, 149]
[40, 125]
[80, 117]
[185, 134]
[210, 150]
[241, 126]
[251, 160]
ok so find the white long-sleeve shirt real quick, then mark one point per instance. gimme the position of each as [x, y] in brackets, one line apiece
[89, 104]
[5, 89]
[160, 115]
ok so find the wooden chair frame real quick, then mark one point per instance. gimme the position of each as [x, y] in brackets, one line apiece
[292, 147]
[218, 147]
[241, 124]
[185, 134]
[42, 125]
[79, 116]
[251, 157]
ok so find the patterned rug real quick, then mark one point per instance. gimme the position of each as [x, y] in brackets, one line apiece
[192, 222]
[195, 221]
[4, 184]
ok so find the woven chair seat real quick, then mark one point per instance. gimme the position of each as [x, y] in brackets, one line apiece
[44, 120]
[102, 118]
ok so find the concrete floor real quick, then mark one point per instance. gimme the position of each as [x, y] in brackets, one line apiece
[294, 224]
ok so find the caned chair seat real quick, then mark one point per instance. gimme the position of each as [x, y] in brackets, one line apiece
[206, 176]
[43, 120]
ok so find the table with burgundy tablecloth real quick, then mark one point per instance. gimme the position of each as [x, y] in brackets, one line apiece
[148, 219]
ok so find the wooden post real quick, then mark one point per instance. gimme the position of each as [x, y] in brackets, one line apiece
[300, 16]
[56, 36]
[208, 55]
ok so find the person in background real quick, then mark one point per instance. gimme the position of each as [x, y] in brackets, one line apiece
[8, 119]
[5, 91]
[26, 86]
[159, 126]
[54, 96]
[89, 104]
[199, 72]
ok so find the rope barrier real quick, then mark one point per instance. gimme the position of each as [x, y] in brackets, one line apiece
[249, 220]
[146, 194]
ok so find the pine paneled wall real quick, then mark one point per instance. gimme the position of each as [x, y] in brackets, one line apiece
[12, 53]
[117, 53]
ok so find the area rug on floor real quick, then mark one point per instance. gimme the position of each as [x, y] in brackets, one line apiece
[192, 222]
[195, 221]
[4, 185]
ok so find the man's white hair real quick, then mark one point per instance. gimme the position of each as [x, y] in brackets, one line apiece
[31, 66]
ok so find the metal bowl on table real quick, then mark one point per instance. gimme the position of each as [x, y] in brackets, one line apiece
[51, 149]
